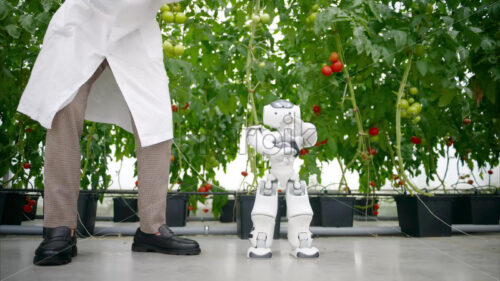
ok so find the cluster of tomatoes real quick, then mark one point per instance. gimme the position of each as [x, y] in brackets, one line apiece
[173, 13]
[411, 108]
[336, 66]
[29, 204]
[205, 188]
[175, 108]
[263, 18]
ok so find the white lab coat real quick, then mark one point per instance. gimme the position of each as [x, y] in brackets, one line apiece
[81, 34]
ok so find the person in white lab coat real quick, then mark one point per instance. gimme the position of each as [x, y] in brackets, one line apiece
[102, 61]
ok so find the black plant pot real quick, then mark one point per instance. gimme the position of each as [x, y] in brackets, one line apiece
[476, 209]
[11, 208]
[335, 211]
[360, 205]
[177, 209]
[87, 209]
[31, 215]
[125, 209]
[244, 225]
[316, 207]
[228, 212]
[416, 220]
[282, 206]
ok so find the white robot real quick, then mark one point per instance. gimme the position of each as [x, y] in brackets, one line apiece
[282, 148]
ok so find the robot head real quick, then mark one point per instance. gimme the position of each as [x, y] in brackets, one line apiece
[280, 113]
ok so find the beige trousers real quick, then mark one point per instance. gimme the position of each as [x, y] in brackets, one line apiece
[62, 168]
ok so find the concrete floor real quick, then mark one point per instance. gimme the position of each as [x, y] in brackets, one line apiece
[459, 257]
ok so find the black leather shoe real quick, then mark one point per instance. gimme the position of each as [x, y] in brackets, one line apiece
[57, 247]
[167, 243]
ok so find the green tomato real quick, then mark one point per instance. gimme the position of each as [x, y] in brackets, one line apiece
[404, 104]
[416, 119]
[420, 50]
[413, 90]
[308, 20]
[180, 18]
[313, 17]
[411, 100]
[265, 18]
[178, 50]
[167, 16]
[418, 106]
[374, 138]
[315, 7]
[429, 9]
[262, 64]
[413, 110]
[169, 53]
[167, 46]
[165, 8]
[177, 7]
[404, 113]
[255, 19]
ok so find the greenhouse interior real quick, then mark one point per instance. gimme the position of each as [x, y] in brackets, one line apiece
[249, 140]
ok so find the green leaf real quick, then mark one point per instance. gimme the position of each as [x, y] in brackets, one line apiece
[26, 22]
[13, 31]
[422, 67]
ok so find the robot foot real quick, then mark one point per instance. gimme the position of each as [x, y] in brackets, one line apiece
[259, 253]
[305, 253]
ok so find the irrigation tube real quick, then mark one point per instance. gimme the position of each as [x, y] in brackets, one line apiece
[231, 230]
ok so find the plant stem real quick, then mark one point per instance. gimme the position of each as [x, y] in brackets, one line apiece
[87, 151]
[401, 171]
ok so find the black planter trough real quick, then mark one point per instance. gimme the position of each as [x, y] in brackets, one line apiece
[32, 214]
[476, 209]
[11, 208]
[227, 214]
[332, 211]
[125, 209]
[416, 220]
[177, 209]
[360, 206]
[87, 209]
[244, 225]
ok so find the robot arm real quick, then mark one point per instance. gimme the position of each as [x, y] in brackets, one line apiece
[262, 140]
[307, 131]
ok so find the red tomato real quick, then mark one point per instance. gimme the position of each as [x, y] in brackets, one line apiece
[303, 151]
[334, 57]
[415, 140]
[206, 210]
[490, 172]
[27, 208]
[31, 203]
[372, 183]
[376, 206]
[190, 208]
[174, 108]
[244, 173]
[27, 165]
[316, 108]
[373, 131]
[326, 70]
[375, 213]
[186, 106]
[373, 151]
[337, 66]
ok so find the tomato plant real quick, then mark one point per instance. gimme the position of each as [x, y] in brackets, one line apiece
[404, 70]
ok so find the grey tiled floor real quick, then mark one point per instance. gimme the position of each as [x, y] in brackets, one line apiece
[459, 257]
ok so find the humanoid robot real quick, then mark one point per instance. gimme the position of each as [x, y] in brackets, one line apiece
[281, 147]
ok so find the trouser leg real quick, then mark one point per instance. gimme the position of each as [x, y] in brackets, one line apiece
[153, 168]
[62, 159]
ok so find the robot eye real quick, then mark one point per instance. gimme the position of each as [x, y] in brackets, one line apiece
[275, 113]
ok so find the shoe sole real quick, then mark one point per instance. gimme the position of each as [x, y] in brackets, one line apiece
[58, 259]
[148, 248]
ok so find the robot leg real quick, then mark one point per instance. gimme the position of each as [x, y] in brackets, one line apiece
[299, 214]
[263, 218]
